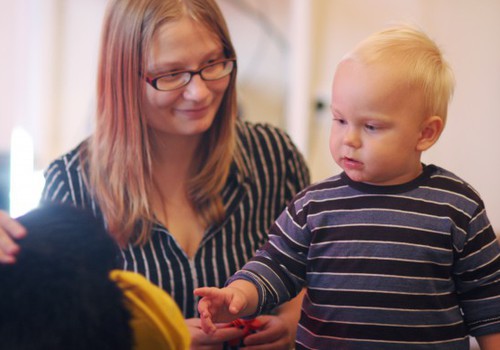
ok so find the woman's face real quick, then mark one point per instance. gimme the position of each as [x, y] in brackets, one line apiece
[191, 109]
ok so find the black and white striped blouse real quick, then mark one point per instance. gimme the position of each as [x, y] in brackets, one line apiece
[254, 195]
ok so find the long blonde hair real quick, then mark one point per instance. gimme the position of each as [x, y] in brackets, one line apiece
[118, 157]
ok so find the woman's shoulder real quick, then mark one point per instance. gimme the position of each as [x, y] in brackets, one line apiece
[246, 126]
[70, 161]
[270, 150]
[264, 136]
[64, 178]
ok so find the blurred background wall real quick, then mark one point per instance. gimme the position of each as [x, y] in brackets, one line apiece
[288, 51]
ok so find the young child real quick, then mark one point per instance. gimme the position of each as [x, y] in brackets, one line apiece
[395, 254]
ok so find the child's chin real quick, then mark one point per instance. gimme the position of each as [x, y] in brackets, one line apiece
[355, 176]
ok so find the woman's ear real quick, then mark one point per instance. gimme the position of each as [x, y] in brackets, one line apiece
[429, 133]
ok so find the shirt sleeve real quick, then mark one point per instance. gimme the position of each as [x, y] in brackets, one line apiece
[477, 273]
[278, 269]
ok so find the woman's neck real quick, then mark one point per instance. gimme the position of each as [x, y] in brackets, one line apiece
[173, 150]
[172, 165]
[172, 157]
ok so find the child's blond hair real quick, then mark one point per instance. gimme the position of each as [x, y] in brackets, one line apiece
[420, 60]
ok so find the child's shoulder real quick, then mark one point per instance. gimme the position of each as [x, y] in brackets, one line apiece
[448, 180]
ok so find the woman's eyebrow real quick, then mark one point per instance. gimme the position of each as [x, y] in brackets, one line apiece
[179, 65]
[165, 67]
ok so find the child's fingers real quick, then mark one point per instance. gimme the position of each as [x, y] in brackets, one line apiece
[215, 298]
[203, 307]
[206, 323]
[206, 291]
[237, 302]
[236, 305]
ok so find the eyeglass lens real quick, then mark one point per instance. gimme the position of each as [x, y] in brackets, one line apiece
[211, 72]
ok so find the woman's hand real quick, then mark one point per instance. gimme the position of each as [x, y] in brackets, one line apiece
[202, 341]
[277, 332]
[9, 230]
[274, 334]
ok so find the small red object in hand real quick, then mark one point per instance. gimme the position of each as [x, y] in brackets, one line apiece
[248, 326]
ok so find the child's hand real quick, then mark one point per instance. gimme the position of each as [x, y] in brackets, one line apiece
[219, 305]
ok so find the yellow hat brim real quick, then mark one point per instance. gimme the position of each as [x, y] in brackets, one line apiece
[157, 321]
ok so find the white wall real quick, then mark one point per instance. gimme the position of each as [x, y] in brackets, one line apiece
[47, 71]
[259, 32]
[26, 36]
[48, 66]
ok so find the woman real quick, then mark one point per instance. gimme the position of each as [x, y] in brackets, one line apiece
[186, 189]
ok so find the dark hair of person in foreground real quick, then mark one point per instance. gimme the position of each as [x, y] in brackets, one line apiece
[58, 294]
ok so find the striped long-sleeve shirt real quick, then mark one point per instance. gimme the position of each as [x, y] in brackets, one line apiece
[414, 266]
[256, 192]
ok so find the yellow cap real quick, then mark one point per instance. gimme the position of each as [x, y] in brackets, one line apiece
[157, 321]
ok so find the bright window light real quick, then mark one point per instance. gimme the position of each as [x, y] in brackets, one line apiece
[25, 183]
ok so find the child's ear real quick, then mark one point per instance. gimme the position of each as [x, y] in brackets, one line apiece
[429, 133]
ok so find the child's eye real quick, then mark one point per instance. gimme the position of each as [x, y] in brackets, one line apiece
[339, 121]
[371, 127]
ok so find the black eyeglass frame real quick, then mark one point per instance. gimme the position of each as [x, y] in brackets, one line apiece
[154, 81]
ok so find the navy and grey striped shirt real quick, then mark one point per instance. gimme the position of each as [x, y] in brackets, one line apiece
[254, 195]
[414, 266]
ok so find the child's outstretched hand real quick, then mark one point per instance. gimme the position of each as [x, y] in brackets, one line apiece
[225, 304]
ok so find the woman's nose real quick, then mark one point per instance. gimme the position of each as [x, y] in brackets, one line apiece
[196, 89]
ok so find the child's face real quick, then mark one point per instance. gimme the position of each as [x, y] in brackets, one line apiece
[377, 124]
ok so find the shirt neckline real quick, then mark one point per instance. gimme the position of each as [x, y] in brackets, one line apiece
[427, 171]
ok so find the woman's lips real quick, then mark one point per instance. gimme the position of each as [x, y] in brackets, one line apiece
[195, 113]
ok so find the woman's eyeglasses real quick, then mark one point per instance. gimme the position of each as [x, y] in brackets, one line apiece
[175, 80]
